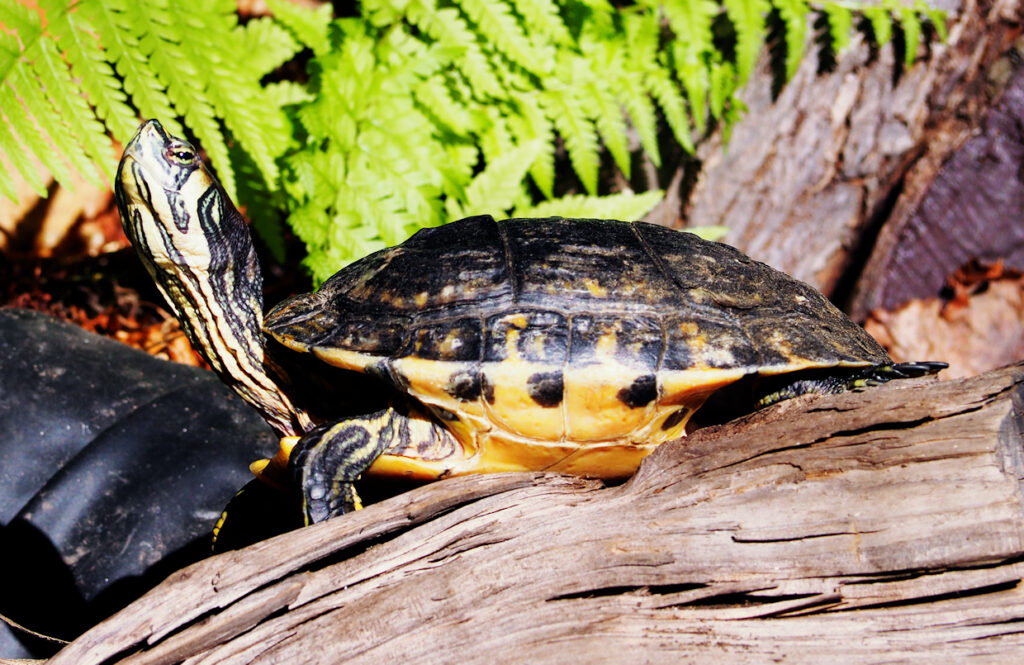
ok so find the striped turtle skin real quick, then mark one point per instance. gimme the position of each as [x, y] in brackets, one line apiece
[554, 344]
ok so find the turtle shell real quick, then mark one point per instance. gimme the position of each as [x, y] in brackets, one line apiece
[562, 344]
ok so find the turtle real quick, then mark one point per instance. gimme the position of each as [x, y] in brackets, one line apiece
[563, 345]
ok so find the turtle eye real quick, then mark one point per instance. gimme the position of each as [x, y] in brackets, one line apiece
[181, 154]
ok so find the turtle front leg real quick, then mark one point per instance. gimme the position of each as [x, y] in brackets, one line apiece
[327, 460]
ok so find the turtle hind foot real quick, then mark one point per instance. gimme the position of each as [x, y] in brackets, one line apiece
[833, 383]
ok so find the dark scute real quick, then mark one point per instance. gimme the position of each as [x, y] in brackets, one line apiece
[589, 261]
[639, 339]
[546, 388]
[463, 341]
[641, 392]
[465, 385]
[711, 341]
[827, 338]
[476, 231]
[368, 336]
[434, 273]
[734, 298]
[544, 338]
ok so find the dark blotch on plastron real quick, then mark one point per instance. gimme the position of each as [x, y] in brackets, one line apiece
[487, 387]
[465, 385]
[546, 388]
[674, 419]
[641, 392]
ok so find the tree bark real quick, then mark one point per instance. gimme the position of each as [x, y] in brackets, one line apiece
[812, 175]
[886, 524]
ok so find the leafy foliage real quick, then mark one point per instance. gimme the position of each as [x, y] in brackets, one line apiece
[414, 112]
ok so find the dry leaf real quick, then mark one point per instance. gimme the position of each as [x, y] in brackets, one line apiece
[981, 327]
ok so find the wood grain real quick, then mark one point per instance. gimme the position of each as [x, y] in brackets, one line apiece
[881, 524]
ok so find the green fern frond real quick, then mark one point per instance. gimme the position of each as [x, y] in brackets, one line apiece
[568, 113]
[266, 46]
[494, 20]
[911, 26]
[495, 137]
[642, 114]
[7, 186]
[691, 21]
[498, 186]
[663, 89]
[936, 17]
[532, 124]
[840, 24]
[309, 26]
[600, 84]
[794, 17]
[624, 205]
[448, 28]
[10, 149]
[610, 122]
[724, 104]
[881, 23]
[23, 22]
[77, 37]
[457, 168]
[542, 17]
[748, 19]
[435, 96]
[77, 124]
[43, 126]
[238, 100]
[414, 111]
[44, 106]
[709, 232]
[137, 74]
[287, 93]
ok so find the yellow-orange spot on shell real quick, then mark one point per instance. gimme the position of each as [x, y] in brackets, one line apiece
[607, 344]
[512, 343]
[451, 343]
[595, 289]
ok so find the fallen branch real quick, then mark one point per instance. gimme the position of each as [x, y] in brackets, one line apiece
[881, 524]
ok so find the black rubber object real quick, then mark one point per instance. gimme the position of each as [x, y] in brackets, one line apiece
[114, 467]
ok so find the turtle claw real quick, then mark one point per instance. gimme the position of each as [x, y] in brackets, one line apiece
[919, 368]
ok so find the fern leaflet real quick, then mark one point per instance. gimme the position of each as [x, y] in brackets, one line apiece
[499, 185]
[624, 205]
[794, 16]
[76, 35]
[308, 26]
[748, 19]
[911, 25]
[566, 111]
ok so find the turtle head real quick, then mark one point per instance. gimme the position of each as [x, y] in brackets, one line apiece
[196, 246]
[176, 214]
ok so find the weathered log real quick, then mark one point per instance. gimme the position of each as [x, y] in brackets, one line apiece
[885, 524]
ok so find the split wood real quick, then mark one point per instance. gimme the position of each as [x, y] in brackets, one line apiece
[879, 525]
